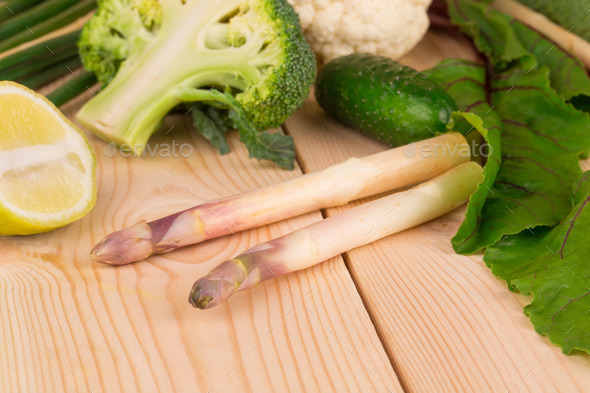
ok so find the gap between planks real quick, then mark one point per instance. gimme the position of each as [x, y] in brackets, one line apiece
[357, 286]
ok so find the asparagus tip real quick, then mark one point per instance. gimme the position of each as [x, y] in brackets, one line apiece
[202, 294]
[126, 246]
[207, 293]
[218, 286]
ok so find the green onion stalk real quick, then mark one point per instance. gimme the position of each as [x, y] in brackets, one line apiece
[11, 8]
[45, 26]
[32, 16]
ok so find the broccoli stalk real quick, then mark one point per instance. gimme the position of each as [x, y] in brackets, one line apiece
[241, 63]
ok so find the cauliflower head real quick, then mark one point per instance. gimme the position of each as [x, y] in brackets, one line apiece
[337, 28]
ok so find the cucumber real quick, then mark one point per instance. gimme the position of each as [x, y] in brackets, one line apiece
[383, 99]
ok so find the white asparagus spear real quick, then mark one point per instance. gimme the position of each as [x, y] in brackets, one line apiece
[337, 234]
[566, 39]
[337, 185]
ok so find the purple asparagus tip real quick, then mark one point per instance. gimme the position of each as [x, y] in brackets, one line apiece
[219, 285]
[126, 246]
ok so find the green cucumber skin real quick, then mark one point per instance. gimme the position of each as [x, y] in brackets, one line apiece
[383, 99]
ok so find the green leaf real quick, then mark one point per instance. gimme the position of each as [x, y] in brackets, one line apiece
[211, 126]
[466, 84]
[573, 15]
[542, 135]
[277, 147]
[552, 266]
[509, 43]
[567, 73]
[491, 134]
[542, 141]
[489, 30]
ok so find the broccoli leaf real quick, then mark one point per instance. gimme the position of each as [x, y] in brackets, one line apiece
[277, 147]
[211, 126]
[542, 135]
[552, 266]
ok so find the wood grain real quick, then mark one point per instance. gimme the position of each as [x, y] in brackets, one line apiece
[70, 325]
[447, 323]
[442, 321]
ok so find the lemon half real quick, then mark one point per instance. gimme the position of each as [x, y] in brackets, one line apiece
[47, 168]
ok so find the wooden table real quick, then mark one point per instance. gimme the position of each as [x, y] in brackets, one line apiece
[405, 314]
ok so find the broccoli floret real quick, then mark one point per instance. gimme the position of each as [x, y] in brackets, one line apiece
[115, 30]
[235, 63]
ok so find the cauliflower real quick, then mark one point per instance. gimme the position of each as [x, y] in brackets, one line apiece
[336, 28]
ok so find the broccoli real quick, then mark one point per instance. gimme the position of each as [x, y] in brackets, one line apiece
[240, 64]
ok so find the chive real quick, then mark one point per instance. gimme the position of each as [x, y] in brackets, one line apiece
[52, 73]
[32, 16]
[8, 9]
[53, 23]
[72, 88]
[42, 49]
[16, 73]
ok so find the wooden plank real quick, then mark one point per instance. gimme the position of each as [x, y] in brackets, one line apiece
[448, 324]
[70, 325]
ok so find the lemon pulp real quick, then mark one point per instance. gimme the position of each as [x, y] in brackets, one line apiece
[47, 169]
